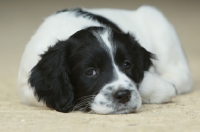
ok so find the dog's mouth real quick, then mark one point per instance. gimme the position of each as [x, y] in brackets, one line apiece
[125, 110]
[106, 106]
[114, 110]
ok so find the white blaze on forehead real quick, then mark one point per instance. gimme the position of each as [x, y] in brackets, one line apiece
[105, 37]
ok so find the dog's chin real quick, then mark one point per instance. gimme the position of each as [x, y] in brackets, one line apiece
[106, 111]
[124, 111]
[98, 109]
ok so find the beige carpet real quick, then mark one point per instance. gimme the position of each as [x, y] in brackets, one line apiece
[18, 21]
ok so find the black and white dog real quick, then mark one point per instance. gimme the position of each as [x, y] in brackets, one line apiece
[108, 61]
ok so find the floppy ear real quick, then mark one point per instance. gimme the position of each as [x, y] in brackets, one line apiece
[146, 57]
[143, 63]
[50, 81]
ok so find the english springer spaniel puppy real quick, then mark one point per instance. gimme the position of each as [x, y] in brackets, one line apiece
[106, 61]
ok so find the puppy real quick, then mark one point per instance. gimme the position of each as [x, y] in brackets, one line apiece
[107, 61]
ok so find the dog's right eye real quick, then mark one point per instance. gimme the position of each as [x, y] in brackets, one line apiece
[90, 72]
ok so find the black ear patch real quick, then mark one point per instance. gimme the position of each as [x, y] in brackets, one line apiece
[147, 56]
[49, 79]
[143, 63]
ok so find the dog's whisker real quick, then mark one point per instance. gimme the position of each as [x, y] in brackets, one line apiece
[80, 104]
[85, 102]
[84, 97]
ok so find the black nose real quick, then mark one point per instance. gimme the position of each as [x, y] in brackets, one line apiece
[122, 96]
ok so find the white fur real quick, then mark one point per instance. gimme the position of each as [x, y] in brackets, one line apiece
[150, 28]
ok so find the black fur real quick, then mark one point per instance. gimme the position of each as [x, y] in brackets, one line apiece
[88, 53]
[127, 48]
[50, 80]
[60, 11]
[59, 78]
[102, 20]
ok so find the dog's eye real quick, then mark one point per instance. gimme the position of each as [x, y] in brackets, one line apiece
[127, 64]
[90, 72]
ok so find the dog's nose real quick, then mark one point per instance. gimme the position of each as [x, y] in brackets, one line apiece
[122, 96]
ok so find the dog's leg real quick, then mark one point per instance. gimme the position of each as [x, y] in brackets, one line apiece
[155, 89]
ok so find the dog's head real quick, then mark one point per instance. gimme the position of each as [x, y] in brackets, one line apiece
[96, 68]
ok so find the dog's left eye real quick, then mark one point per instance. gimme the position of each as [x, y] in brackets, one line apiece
[90, 72]
[127, 64]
